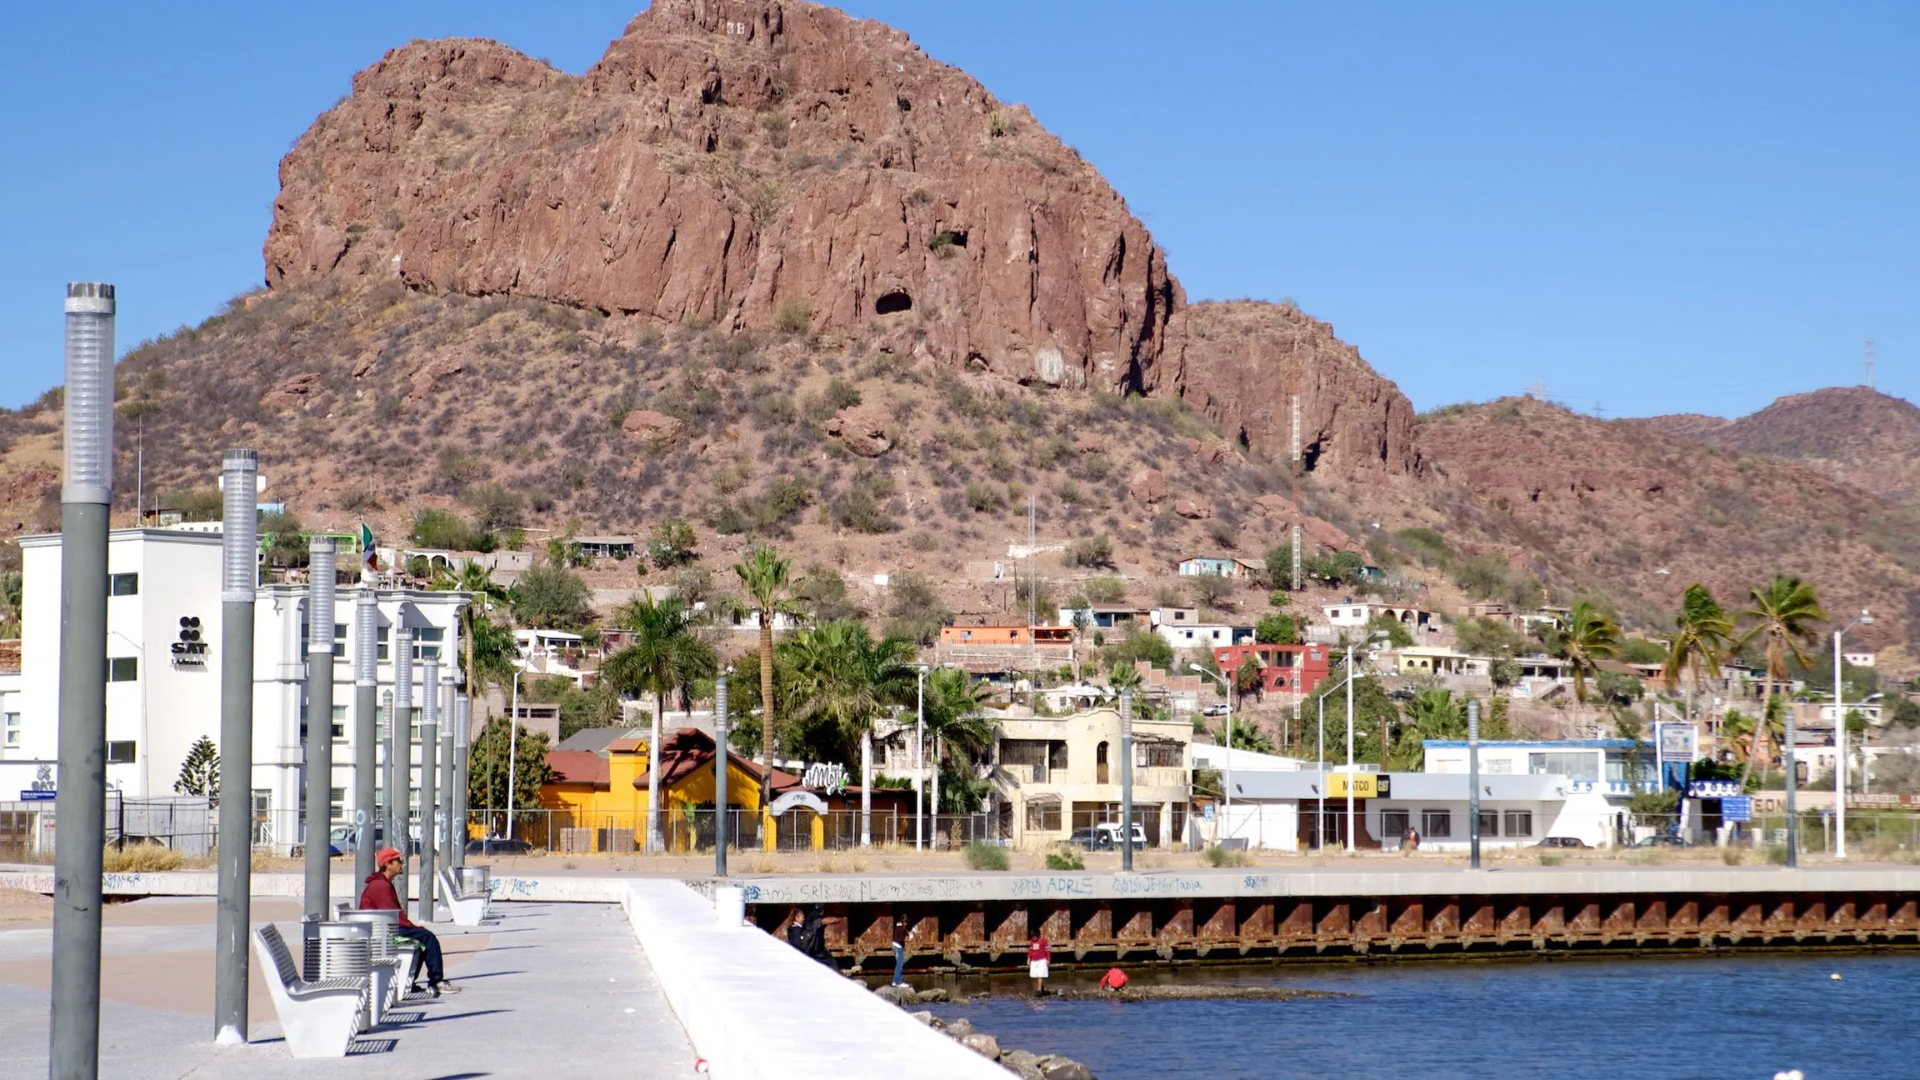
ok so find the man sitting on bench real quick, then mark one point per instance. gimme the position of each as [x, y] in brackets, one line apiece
[380, 896]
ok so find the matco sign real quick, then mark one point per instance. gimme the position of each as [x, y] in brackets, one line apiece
[188, 650]
[826, 778]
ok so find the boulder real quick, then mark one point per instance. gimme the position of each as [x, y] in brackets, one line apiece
[1088, 442]
[934, 996]
[1014, 1059]
[985, 1045]
[647, 426]
[899, 995]
[1187, 508]
[960, 1028]
[1274, 506]
[289, 392]
[924, 1017]
[862, 429]
[1147, 486]
[1067, 1070]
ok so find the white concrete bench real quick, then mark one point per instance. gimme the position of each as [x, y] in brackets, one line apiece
[318, 1018]
[467, 909]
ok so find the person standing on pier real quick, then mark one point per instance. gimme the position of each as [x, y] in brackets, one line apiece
[1039, 956]
[902, 934]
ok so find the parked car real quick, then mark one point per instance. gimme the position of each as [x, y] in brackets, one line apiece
[498, 845]
[1662, 840]
[1562, 841]
[1218, 709]
[1092, 839]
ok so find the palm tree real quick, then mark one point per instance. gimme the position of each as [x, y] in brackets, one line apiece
[842, 676]
[1749, 734]
[477, 582]
[766, 577]
[1702, 635]
[1783, 614]
[1591, 637]
[957, 723]
[665, 656]
[1123, 677]
[1433, 714]
[1246, 679]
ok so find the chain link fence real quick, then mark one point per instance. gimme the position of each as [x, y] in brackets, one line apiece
[685, 831]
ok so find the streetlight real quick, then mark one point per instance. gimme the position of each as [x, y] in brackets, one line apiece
[720, 773]
[919, 751]
[1226, 784]
[1840, 740]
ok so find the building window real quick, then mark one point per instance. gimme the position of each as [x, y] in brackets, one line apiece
[120, 753]
[427, 641]
[1043, 815]
[337, 797]
[123, 584]
[386, 642]
[1489, 823]
[339, 723]
[339, 638]
[1436, 824]
[123, 668]
[12, 730]
[1157, 755]
[1519, 823]
[1572, 764]
[1393, 824]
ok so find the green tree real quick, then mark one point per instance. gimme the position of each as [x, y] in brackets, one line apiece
[1432, 714]
[1124, 676]
[1782, 616]
[1280, 568]
[1702, 635]
[1139, 644]
[1488, 637]
[1275, 630]
[842, 680]
[664, 658]
[482, 593]
[962, 736]
[1210, 590]
[1246, 678]
[200, 772]
[672, 544]
[550, 598]
[579, 709]
[1590, 638]
[766, 578]
[1374, 716]
[498, 759]
[12, 588]
[283, 541]
[914, 609]
[1246, 736]
[1398, 636]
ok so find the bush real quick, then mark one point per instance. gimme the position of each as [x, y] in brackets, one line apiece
[1398, 636]
[494, 507]
[1275, 630]
[1105, 590]
[860, 511]
[1429, 546]
[1065, 857]
[914, 609]
[1219, 856]
[793, 317]
[1093, 551]
[982, 856]
[1280, 569]
[140, 858]
[1483, 577]
[1341, 568]
[983, 497]
[841, 395]
[550, 598]
[672, 544]
[1210, 590]
[444, 530]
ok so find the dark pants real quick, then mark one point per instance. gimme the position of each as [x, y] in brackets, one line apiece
[423, 937]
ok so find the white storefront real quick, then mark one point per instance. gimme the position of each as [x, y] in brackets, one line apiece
[163, 690]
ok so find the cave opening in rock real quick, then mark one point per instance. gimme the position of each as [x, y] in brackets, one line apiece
[891, 302]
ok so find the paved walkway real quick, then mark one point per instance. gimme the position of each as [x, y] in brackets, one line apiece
[544, 986]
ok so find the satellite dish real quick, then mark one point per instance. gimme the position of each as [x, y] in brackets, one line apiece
[259, 483]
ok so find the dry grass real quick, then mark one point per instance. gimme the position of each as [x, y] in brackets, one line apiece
[141, 859]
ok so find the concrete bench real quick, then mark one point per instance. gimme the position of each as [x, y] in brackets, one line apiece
[319, 1018]
[467, 909]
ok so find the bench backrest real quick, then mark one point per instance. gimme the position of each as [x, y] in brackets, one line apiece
[282, 959]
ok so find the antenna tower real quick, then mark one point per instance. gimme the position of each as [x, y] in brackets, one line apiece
[1869, 363]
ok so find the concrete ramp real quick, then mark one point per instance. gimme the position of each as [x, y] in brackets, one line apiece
[757, 1009]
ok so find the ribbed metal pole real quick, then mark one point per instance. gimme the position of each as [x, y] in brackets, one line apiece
[1126, 780]
[400, 753]
[461, 713]
[720, 776]
[86, 495]
[320, 597]
[389, 775]
[429, 749]
[366, 728]
[1793, 784]
[443, 819]
[239, 581]
[1473, 783]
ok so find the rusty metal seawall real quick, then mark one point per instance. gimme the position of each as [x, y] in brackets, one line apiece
[983, 921]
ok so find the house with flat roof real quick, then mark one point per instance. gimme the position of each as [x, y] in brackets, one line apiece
[1218, 566]
[1053, 775]
[1293, 669]
[988, 649]
[1350, 614]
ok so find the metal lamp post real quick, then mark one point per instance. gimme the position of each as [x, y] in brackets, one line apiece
[1350, 829]
[720, 734]
[86, 495]
[1126, 780]
[366, 726]
[457, 823]
[443, 820]
[239, 582]
[1840, 740]
[429, 783]
[321, 569]
[919, 752]
[1473, 782]
[400, 752]
[1226, 781]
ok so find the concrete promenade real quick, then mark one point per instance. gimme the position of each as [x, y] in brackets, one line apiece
[545, 988]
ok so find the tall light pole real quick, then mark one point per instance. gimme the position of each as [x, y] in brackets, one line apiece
[429, 782]
[239, 582]
[457, 804]
[1840, 740]
[720, 774]
[320, 595]
[1226, 782]
[1350, 829]
[1473, 781]
[444, 820]
[86, 495]
[513, 747]
[919, 751]
[400, 751]
[366, 726]
[1126, 780]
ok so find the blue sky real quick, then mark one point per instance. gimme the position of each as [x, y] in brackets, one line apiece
[1648, 206]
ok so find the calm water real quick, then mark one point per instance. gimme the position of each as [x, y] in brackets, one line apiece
[1693, 1019]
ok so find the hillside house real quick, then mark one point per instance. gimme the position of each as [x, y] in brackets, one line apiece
[1859, 659]
[1218, 566]
[1204, 635]
[1432, 660]
[1351, 614]
[1292, 669]
[605, 547]
[1053, 775]
[1105, 616]
[989, 649]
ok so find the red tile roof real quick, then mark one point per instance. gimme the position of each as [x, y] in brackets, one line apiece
[579, 767]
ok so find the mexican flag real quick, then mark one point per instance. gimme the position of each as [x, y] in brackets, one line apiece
[369, 559]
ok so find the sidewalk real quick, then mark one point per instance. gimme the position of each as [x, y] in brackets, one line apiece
[542, 986]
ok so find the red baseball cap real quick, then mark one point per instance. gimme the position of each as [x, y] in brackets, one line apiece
[385, 855]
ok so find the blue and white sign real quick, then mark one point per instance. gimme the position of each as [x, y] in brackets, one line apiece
[1737, 808]
[36, 795]
[1677, 741]
[1713, 789]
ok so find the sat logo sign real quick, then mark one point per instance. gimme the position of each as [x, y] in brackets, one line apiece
[189, 651]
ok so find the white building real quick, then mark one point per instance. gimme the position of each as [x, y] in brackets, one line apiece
[164, 659]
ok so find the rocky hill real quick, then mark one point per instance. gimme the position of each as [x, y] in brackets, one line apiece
[1853, 434]
[773, 269]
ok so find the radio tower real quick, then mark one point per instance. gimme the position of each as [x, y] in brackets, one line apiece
[1869, 363]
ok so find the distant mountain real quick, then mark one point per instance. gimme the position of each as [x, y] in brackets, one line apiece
[1854, 434]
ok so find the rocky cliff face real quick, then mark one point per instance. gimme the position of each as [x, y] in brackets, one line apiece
[755, 163]
[1851, 434]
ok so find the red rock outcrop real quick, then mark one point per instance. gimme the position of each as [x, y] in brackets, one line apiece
[862, 429]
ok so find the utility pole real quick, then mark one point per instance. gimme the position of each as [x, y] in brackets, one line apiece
[1350, 725]
[1869, 363]
[919, 751]
[320, 596]
[86, 496]
[720, 776]
[457, 827]
[429, 748]
[1126, 780]
[513, 750]
[1473, 781]
[366, 727]
[239, 582]
[400, 751]
[443, 819]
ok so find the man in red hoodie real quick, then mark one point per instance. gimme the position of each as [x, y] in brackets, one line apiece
[379, 895]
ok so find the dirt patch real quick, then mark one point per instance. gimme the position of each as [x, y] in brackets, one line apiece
[19, 905]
